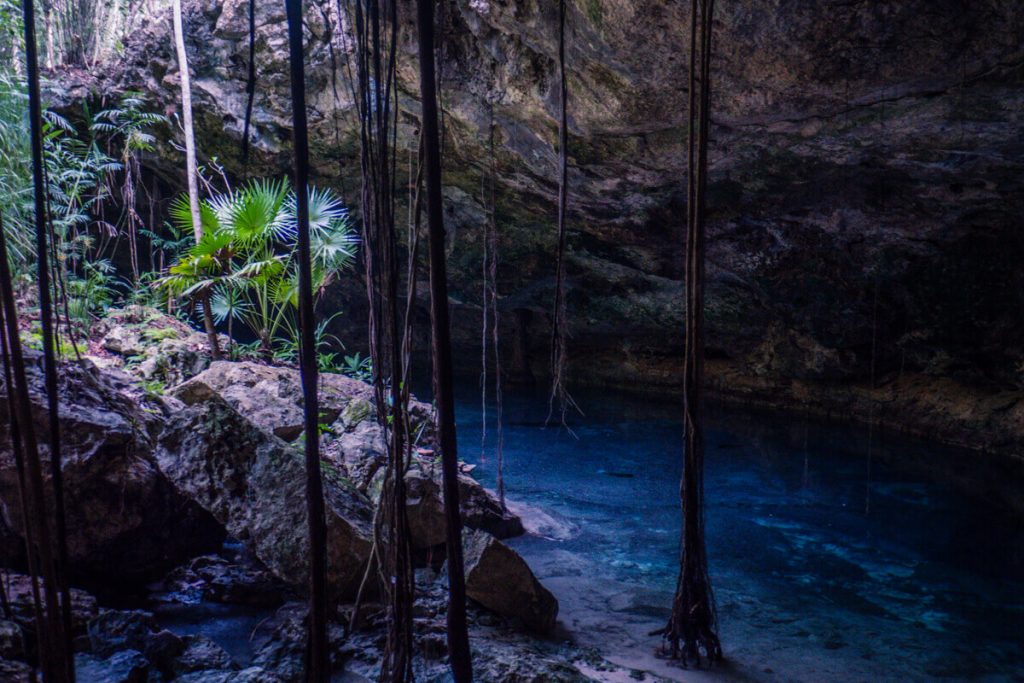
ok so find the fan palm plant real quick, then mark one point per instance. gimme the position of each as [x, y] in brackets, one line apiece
[244, 267]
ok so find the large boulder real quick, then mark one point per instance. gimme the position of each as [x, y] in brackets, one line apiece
[500, 580]
[253, 483]
[123, 518]
[358, 450]
[271, 398]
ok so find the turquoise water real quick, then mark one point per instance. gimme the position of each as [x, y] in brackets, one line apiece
[836, 553]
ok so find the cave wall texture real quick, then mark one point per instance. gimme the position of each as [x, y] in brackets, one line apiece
[866, 194]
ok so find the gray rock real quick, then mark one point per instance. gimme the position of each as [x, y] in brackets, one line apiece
[242, 581]
[16, 672]
[116, 630]
[254, 484]
[271, 396]
[127, 666]
[202, 654]
[153, 346]
[12, 641]
[19, 594]
[124, 340]
[123, 518]
[252, 674]
[173, 361]
[500, 580]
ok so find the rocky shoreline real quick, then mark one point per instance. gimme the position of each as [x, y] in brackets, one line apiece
[167, 455]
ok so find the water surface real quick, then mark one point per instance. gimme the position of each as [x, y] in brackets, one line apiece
[836, 553]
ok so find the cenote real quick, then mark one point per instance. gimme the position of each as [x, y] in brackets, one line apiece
[837, 552]
[511, 341]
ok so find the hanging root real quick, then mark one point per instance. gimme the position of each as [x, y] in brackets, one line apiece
[690, 633]
[560, 315]
[691, 630]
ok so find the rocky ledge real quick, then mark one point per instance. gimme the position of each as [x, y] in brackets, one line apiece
[159, 477]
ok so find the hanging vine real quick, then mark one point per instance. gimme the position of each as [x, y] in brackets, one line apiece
[375, 44]
[559, 314]
[491, 320]
[14, 400]
[54, 639]
[250, 85]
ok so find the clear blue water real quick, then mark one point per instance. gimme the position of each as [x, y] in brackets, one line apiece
[835, 554]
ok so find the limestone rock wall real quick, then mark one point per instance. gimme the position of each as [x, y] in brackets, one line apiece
[866, 173]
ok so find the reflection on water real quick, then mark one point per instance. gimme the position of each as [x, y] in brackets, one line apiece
[826, 563]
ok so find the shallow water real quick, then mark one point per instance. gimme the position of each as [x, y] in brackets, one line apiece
[233, 627]
[836, 553]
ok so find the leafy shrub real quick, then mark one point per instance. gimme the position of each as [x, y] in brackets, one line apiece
[246, 266]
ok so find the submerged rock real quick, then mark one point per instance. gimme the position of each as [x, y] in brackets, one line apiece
[500, 580]
[123, 518]
[254, 484]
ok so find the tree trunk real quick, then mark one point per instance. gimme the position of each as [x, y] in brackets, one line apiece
[317, 670]
[458, 634]
[692, 627]
[55, 655]
[46, 315]
[191, 169]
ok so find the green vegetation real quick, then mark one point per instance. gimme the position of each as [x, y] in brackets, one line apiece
[108, 254]
[245, 263]
[88, 169]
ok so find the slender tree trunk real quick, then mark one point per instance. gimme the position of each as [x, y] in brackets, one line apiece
[46, 316]
[191, 168]
[692, 628]
[56, 657]
[13, 399]
[458, 634]
[317, 670]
